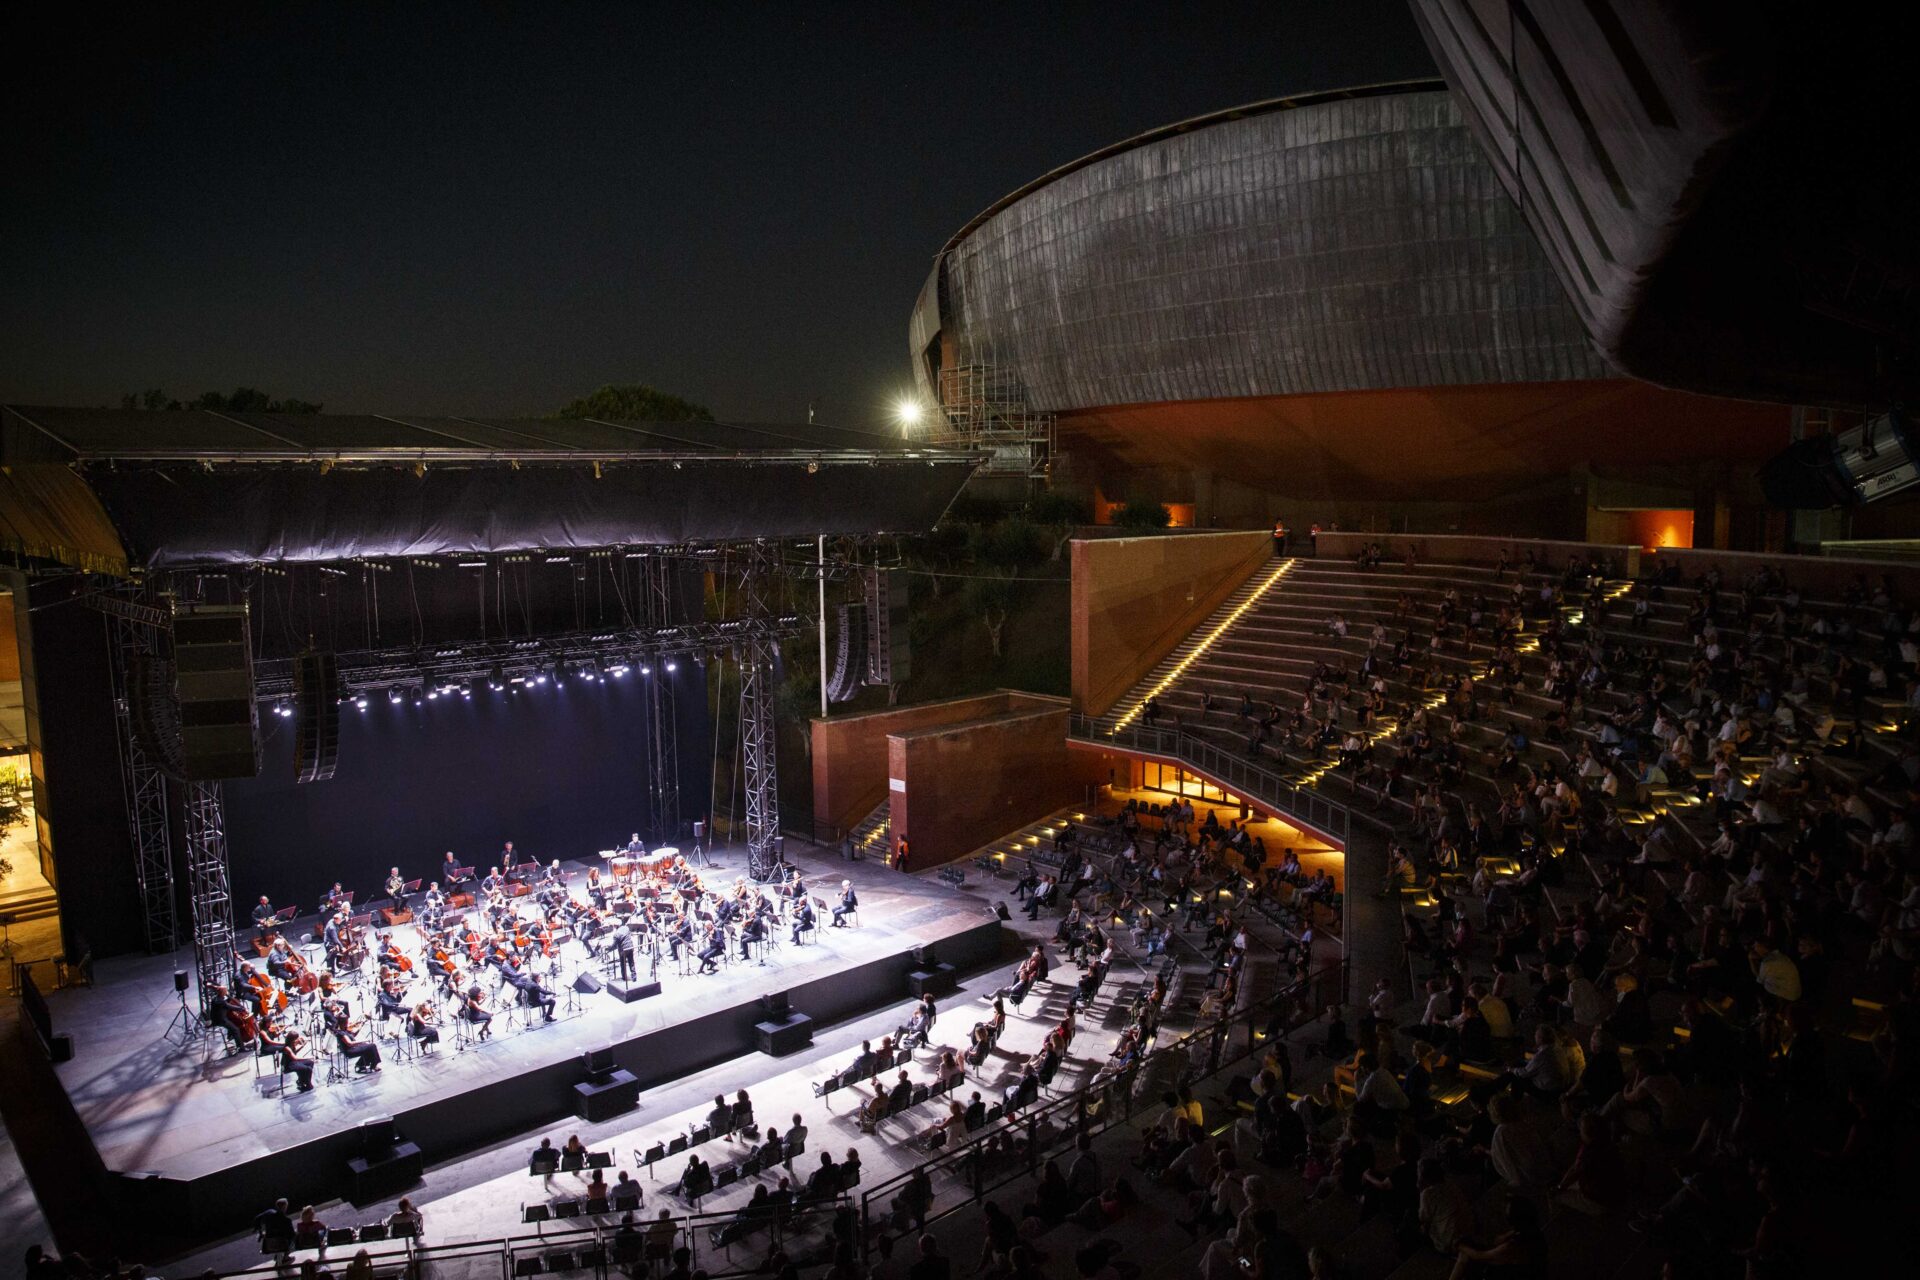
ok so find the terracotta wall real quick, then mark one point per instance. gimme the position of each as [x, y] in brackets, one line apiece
[1136, 598]
[1449, 549]
[850, 752]
[1820, 577]
[9, 642]
[964, 785]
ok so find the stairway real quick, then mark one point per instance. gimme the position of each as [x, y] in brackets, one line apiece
[873, 836]
[1210, 632]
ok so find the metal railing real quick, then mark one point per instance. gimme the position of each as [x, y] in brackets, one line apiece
[1232, 772]
[1015, 1147]
[739, 1249]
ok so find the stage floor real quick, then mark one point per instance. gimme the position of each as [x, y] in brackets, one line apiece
[187, 1113]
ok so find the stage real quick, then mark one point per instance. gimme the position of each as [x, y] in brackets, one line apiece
[197, 1138]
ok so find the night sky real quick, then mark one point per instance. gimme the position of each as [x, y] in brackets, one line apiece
[492, 208]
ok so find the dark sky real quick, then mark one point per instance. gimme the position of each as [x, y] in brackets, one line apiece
[491, 208]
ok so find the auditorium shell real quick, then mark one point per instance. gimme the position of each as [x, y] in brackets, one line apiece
[1324, 307]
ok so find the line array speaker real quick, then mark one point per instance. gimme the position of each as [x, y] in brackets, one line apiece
[850, 665]
[887, 656]
[213, 683]
[316, 699]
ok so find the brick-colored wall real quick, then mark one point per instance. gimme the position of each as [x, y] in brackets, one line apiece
[850, 752]
[1136, 598]
[968, 784]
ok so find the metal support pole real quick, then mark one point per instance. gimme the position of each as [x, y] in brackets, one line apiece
[145, 788]
[663, 724]
[208, 888]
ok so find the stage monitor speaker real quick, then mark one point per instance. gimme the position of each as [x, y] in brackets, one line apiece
[316, 710]
[775, 1005]
[628, 992]
[587, 983]
[180, 980]
[598, 1060]
[213, 683]
[377, 1137]
[923, 957]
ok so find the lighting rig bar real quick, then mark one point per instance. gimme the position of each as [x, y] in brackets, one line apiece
[500, 662]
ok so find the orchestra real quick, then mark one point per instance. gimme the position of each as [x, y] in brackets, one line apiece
[502, 950]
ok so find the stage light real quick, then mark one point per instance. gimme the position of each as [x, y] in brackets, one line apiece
[496, 680]
[433, 693]
[645, 670]
[909, 412]
[416, 698]
[283, 708]
[361, 702]
[395, 697]
[466, 690]
[672, 665]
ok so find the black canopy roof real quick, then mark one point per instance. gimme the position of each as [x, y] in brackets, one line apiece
[200, 487]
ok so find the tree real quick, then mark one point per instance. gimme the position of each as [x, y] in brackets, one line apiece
[635, 402]
[243, 400]
[1136, 514]
[990, 597]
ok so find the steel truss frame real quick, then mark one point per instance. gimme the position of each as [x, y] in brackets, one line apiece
[759, 759]
[208, 887]
[149, 821]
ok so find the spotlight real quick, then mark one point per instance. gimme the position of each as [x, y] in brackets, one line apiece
[645, 670]
[361, 702]
[909, 412]
[496, 680]
[395, 696]
[433, 692]
[672, 666]
[417, 698]
[283, 708]
[466, 690]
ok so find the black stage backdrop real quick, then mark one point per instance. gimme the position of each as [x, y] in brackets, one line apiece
[560, 770]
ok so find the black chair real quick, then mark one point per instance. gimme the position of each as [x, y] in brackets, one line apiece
[725, 1176]
[599, 1159]
[567, 1209]
[920, 1095]
[655, 1154]
[276, 1244]
[304, 1238]
[995, 1111]
[572, 1161]
[339, 1236]
[903, 1058]
[595, 1208]
[535, 1213]
[702, 1133]
[751, 1165]
[558, 1261]
[591, 1258]
[373, 1231]
[405, 1229]
[821, 1088]
[626, 1197]
[677, 1144]
[527, 1266]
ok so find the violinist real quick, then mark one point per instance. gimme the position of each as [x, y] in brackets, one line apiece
[802, 917]
[295, 1058]
[474, 1009]
[531, 992]
[421, 1023]
[397, 889]
[390, 996]
[754, 930]
[364, 1054]
[596, 891]
[716, 944]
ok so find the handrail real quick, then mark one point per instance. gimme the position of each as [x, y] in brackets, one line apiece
[1234, 772]
[406, 1258]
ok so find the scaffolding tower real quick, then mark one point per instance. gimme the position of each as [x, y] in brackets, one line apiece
[983, 407]
[208, 888]
[135, 646]
[759, 762]
[663, 723]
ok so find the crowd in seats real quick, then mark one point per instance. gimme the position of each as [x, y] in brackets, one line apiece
[1654, 846]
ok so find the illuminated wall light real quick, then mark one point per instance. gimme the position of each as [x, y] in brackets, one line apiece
[1181, 667]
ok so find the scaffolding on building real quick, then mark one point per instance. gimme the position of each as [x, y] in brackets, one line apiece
[983, 407]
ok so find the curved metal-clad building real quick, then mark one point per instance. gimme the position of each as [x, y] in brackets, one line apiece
[1328, 298]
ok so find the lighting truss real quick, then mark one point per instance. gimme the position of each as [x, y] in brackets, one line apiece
[663, 720]
[366, 670]
[759, 760]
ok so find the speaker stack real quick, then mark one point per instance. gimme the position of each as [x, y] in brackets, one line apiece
[213, 685]
[316, 699]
